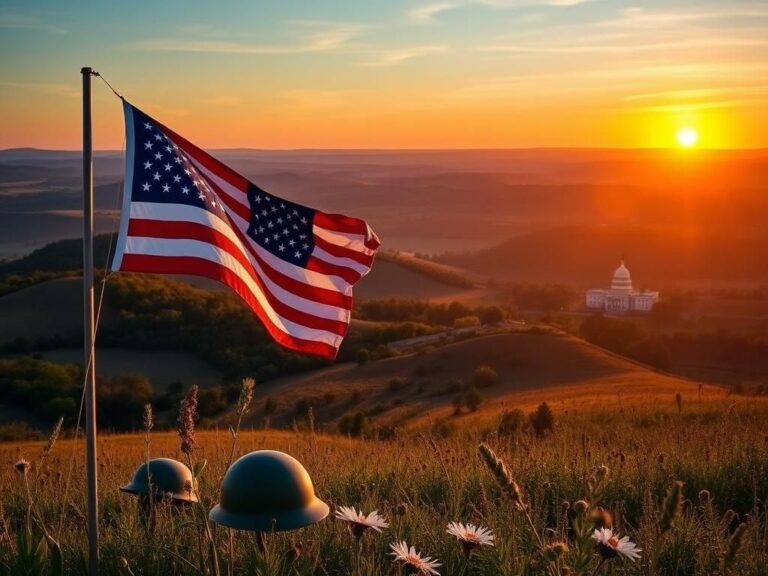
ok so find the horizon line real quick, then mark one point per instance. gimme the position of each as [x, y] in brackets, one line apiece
[456, 149]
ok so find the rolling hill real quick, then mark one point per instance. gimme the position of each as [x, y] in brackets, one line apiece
[532, 366]
[659, 257]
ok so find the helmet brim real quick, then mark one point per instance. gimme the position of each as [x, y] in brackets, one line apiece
[137, 490]
[271, 522]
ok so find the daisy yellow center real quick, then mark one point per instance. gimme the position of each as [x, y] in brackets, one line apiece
[414, 560]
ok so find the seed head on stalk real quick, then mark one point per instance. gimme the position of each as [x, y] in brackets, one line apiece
[186, 421]
[503, 477]
[673, 505]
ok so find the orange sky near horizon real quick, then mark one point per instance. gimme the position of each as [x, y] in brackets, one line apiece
[453, 74]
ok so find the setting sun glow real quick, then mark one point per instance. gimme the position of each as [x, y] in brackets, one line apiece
[687, 137]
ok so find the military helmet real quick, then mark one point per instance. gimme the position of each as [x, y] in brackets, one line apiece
[169, 478]
[268, 491]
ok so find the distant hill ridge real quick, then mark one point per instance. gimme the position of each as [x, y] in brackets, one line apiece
[61, 256]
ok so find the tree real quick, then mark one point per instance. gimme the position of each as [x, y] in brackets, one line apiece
[491, 314]
[363, 356]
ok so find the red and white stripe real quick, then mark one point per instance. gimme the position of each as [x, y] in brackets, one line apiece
[304, 309]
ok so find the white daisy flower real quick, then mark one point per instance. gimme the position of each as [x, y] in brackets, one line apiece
[409, 556]
[609, 545]
[470, 536]
[359, 523]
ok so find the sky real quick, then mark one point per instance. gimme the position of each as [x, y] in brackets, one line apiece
[390, 73]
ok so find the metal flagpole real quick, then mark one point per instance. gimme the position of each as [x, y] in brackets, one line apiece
[88, 328]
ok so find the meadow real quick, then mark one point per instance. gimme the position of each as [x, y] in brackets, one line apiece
[596, 467]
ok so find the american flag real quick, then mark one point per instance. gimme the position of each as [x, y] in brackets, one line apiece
[184, 212]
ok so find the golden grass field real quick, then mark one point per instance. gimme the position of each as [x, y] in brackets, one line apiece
[420, 482]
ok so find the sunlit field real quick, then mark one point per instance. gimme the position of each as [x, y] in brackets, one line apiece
[626, 462]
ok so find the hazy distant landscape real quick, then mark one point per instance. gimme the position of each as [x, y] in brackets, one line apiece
[534, 215]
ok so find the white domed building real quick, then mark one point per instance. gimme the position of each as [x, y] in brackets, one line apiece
[621, 298]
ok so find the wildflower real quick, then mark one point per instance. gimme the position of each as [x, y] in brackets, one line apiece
[610, 545]
[358, 522]
[470, 536]
[555, 550]
[23, 466]
[601, 517]
[410, 557]
[186, 421]
[580, 506]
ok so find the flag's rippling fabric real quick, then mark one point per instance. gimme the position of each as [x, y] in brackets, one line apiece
[184, 212]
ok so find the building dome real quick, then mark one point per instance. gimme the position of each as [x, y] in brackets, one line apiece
[622, 281]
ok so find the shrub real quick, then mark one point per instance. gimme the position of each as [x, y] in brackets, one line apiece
[363, 356]
[358, 425]
[466, 322]
[485, 377]
[542, 420]
[511, 423]
[18, 431]
[473, 399]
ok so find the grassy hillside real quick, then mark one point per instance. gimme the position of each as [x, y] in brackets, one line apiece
[420, 388]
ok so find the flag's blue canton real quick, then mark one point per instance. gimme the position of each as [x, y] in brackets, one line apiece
[163, 173]
[282, 227]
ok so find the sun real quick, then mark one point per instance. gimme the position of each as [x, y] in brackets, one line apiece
[687, 137]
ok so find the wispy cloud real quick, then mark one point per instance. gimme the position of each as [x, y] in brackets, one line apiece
[320, 37]
[395, 56]
[14, 20]
[524, 3]
[627, 47]
[427, 12]
[641, 18]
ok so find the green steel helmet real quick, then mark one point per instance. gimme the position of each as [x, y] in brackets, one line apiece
[168, 477]
[267, 491]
